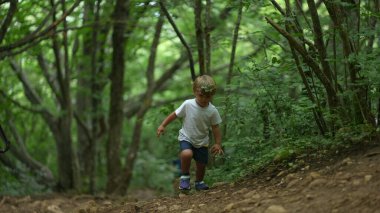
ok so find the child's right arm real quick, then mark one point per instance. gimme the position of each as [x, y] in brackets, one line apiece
[167, 121]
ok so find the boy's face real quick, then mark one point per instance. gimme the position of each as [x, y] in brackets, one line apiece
[202, 99]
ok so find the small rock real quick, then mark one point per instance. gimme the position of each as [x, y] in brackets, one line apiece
[275, 209]
[315, 175]
[343, 176]
[367, 178]
[290, 177]
[281, 173]
[188, 211]
[248, 209]
[245, 202]
[347, 161]
[292, 183]
[241, 191]
[252, 194]
[317, 182]
[356, 182]
[174, 207]
[219, 184]
[107, 203]
[162, 208]
[229, 207]
[309, 197]
[54, 209]
[214, 192]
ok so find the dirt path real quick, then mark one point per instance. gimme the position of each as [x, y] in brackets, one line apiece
[348, 184]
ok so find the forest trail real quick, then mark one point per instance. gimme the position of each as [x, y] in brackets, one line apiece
[348, 183]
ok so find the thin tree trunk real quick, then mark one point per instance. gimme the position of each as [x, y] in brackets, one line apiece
[231, 67]
[87, 132]
[199, 34]
[66, 158]
[98, 38]
[361, 109]
[317, 112]
[320, 45]
[183, 41]
[208, 37]
[115, 122]
[136, 137]
[326, 69]
[8, 19]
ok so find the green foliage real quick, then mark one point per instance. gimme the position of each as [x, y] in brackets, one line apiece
[153, 173]
[22, 185]
[355, 134]
[248, 155]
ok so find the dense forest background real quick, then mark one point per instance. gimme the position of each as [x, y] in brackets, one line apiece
[85, 84]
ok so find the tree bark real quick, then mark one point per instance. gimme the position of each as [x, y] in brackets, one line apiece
[208, 37]
[136, 137]
[181, 38]
[8, 19]
[199, 35]
[89, 96]
[362, 111]
[317, 111]
[231, 67]
[66, 160]
[115, 122]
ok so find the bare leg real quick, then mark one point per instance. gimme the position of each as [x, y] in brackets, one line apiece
[200, 173]
[186, 156]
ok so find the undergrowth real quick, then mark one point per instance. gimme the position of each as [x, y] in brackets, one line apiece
[253, 155]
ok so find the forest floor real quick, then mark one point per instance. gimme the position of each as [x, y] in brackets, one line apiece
[347, 182]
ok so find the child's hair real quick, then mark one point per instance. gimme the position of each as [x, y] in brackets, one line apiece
[205, 85]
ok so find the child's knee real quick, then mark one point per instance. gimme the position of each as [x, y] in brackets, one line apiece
[187, 153]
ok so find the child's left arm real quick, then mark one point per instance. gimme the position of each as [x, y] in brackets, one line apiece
[217, 147]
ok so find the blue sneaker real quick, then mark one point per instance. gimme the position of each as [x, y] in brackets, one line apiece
[184, 183]
[201, 186]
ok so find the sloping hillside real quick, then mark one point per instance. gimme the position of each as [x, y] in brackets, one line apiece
[348, 183]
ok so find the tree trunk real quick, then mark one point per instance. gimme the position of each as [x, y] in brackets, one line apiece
[208, 37]
[317, 111]
[115, 122]
[199, 34]
[89, 95]
[67, 168]
[6, 22]
[361, 109]
[147, 102]
[188, 50]
[231, 67]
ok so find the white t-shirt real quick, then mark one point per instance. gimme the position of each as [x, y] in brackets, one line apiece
[197, 122]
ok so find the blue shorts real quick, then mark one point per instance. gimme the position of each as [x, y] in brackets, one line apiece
[199, 154]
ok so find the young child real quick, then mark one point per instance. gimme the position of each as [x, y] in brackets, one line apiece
[198, 116]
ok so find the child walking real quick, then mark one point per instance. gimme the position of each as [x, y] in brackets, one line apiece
[198, 115]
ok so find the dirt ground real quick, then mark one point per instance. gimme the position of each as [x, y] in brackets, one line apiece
[348, 183]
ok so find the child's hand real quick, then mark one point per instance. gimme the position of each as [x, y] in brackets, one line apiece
[216, 149]
[160, 130]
